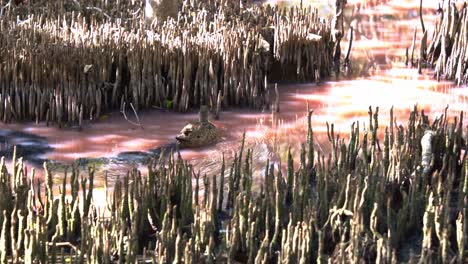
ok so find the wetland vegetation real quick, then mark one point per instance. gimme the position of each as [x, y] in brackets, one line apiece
[393, 189]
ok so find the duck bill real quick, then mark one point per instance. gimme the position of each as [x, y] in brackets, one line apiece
[181, 140]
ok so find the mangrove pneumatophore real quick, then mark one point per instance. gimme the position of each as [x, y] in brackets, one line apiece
[213, 52]
[447, 49]
[367, 202]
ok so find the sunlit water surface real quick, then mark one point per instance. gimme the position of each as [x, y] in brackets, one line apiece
[383, 32]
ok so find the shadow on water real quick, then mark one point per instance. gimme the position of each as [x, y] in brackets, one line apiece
[33, 148]
[114, 165]
[28, 146]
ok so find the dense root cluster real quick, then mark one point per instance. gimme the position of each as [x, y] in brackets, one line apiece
[74, 65]
[448, 48]
[368, 201]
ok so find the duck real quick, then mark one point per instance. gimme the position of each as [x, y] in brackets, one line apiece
[200, 133]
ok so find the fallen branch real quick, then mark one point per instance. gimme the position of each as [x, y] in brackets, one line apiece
[65, 244]
[136, 115]
[5, 7]
[22, 22]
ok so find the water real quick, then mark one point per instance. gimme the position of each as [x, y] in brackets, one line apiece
[383, 32]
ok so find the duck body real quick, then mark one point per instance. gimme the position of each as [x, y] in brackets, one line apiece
[197, 134]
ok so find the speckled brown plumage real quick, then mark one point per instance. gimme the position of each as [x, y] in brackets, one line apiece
[197, 134]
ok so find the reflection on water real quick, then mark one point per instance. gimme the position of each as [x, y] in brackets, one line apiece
[325, 7]
[382, 35]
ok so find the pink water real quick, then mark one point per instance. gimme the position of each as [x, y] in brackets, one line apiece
[380, 42]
